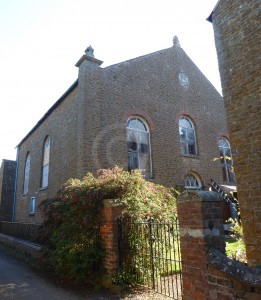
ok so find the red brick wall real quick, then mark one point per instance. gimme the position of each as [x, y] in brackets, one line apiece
[206, 272]
[237, 35]
[61, 126]
[109, 235]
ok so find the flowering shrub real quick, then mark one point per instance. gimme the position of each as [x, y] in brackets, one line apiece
[70, 230]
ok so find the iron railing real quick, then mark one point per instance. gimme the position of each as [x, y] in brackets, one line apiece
[149, 255]
[23, 231]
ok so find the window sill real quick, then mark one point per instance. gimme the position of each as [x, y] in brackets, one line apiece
[24, 195]
[152, 179]
[229, 183]
[190, 156]
[31, 214]
[43, 189]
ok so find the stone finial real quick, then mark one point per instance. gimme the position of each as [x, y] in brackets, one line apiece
[89, 56]
[176, 41]
[89, 51]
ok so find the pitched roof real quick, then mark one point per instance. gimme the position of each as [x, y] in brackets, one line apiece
[56, 104]
[209, 18]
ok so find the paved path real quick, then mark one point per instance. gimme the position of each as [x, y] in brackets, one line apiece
[19, 282]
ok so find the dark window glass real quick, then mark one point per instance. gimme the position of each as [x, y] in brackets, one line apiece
[138, 146]
[192, 182]
[45, 165]
[226, 161]
[187, 137]
[26, 173]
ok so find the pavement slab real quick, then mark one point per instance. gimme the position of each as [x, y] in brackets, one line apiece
[19, 282]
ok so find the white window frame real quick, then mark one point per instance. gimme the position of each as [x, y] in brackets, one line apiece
[32, 206]
[148, 173]
[186, 141]
[192, 178]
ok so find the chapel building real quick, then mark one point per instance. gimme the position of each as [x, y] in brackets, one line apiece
[157, 113]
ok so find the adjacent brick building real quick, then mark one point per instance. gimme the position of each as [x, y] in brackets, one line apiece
[7, 186]
[169, 114]
[237, 36]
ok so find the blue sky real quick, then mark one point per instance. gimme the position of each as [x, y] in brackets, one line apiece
[41, 40]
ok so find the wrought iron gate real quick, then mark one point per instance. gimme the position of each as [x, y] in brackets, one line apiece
[149, 254]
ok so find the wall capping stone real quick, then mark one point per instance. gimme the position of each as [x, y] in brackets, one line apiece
[112, 203]
[237, 270]
[90, 59]
[27, 247]
[199, 196]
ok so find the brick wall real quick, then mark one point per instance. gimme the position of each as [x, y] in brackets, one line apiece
[149, 85]
[88, 128]
[109, 235]
[61, 126]
[206, 272]
[237, 36]
[7, 185]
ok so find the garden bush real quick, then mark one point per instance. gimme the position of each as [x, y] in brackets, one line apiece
[70, 231]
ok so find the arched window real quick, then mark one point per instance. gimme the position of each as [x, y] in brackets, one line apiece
[187, 137]
[192, 181]
[26, 173]
[45, 165]
[226, 161]
[138, 145]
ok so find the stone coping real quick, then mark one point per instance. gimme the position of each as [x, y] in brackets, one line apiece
[199, 196]
[112, 203]
[28, 247]
[236, 270]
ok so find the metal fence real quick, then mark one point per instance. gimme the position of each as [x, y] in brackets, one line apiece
[23, 231]
[149, 255]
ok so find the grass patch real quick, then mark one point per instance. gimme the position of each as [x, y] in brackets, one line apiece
[236, 249]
